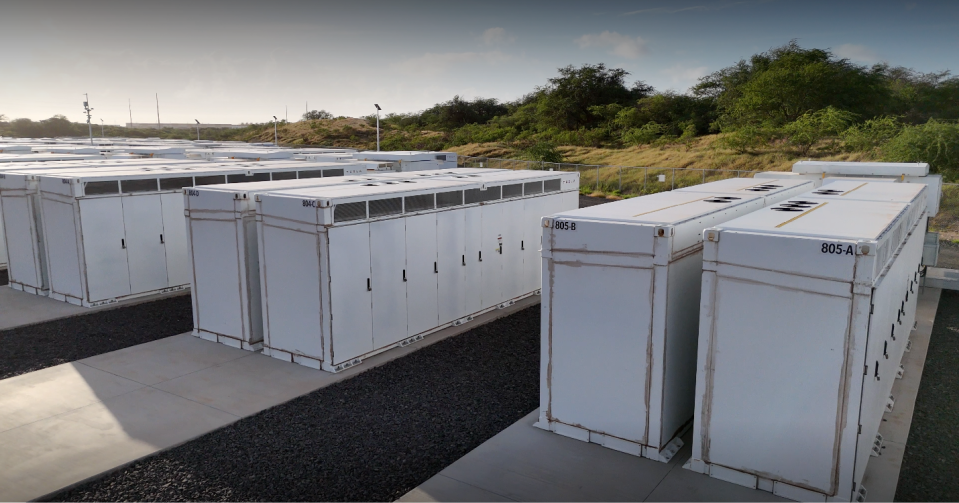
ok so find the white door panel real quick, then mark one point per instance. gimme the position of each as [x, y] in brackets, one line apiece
[491, 265]
[146, 253]
[451, 258]
[388, 269]
[104, 248]
[421, 273]
[472, 233]
[174, 237]
[351, 291]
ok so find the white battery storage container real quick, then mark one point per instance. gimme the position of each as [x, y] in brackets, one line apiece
[772, 190]
[788, 175]
[348, 272]
[621, 287]
[806, 310]
[222, 244]
[117, 235]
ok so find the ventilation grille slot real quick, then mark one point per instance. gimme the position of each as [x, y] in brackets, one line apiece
[131, 186]
[210, 180]
[175, 183]
[333, 172]
[764, 188]
[418, 203]
[551, 185]
[828, 192]
[533, 188]
[514, 190]
[383, 207]
[349, 211]
[311, 174]
[479, 196]
[255, 177]
[795, 206]
[447, 199]
[284, 175]
[97, 188]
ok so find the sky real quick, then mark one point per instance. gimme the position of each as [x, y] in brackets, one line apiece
[242, 61]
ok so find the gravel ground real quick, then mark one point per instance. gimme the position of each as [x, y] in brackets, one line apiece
[373, 437]
[929, 468]
[35, 347]
[4, 279]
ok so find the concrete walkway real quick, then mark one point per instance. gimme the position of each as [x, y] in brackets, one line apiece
[18, 308]
[63, 425]
[525, 463]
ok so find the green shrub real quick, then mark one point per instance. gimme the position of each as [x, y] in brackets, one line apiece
[644, 135]
[935, 142]
[871, 134]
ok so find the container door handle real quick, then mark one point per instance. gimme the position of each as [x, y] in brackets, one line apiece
[877, 370]
[161, 239]
[500, 249]
[123, 243]
[369, 285]
[522, 245]
[481, 256]
[436, 269]
[404, 274]
[464, 260]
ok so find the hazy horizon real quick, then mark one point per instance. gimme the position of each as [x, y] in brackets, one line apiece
[233, 62]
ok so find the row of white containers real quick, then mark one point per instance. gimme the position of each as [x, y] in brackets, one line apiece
[758, 349]
[327, 276]
[93, 236]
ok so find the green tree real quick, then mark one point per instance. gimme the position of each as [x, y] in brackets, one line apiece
[935, 142]
[566, 101]
[644, 135]
[813, 127]
[871, 134]
[314, 115]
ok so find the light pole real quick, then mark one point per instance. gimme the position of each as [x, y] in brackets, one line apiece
[197, 130]
[377, 126]
[86, 107]
[275, 142]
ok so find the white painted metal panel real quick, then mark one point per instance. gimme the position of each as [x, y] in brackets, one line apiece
[514, 219]
[534, 210]
[3, 242]
[174, 237]
[23, 265]
[601, 322]
[291, 290]
[62, 251]
[350, 291]
[491, 257]
[791, 436]
[388, 268]
[217, 278]
[104, 248]
[451, 258]
[421, 272]
[472, 225]
[146, 253]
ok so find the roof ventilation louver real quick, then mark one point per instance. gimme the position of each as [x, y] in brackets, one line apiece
[349, 211]
[828, 192]
[384, 207]
[419, 203]
[447, 199]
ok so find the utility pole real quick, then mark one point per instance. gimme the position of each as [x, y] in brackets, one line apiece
[276, 143]
[158, 110]
[197, 130]
[86, 107]
[377, 126]
[101, 128]
[286, 108]
[130, 105]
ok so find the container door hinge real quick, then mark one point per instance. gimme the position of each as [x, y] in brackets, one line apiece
[871, 308]
[861, 494]
[909, 345]
[890, 403]
[900, 372]
[860, 430]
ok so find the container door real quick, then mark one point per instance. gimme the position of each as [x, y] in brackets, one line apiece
[600, 321]
[64, 258]
[421, 272]
[388, 267]
[217, 288]
[174, 237]
[291, 288]
[534, 211]
[23, 266]
[146, 253]
[491, 267]
[472, 228]
[351, 285]
[104, 248]
[513, 219]
[451, 258]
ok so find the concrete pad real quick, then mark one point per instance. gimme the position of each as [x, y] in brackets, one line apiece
[164, 359]
[686, 485]
[247, 385]
[19, 309]
[882, 473]
[46, 456]
[443, 488]
[526, 463]
[38, 395]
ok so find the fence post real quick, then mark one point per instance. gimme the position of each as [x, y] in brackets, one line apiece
[672, 185]
[645, 176]
[597, 177]
[621, 180]
[704, 176]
